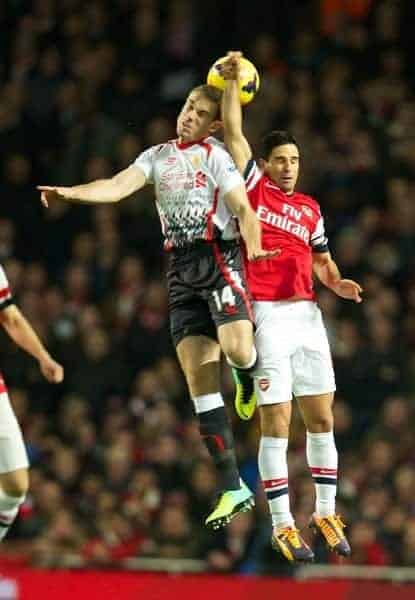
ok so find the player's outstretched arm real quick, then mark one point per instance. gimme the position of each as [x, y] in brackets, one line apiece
[235, 141]
[328, 273]
[21, 332]
[101, 191]
[249, 225]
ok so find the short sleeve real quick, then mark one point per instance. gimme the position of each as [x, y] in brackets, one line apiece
[224, 171]
[319, 241]
[6, 297]
[145, 161]
[252, 174]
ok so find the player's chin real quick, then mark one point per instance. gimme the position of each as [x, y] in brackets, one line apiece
[288, 188]
[185, 132]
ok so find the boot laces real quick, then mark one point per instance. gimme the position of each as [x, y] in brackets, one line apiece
[291, 534]
[332, 528]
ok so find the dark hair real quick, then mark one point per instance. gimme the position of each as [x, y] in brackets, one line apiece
[274, 139]
[211, 93]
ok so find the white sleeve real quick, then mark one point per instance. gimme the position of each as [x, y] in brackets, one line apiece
[224, 171]
[146, 161]
[319, 241]
[252, 174]
[5, 292]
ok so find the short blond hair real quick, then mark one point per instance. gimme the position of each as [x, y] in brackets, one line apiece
[211, 93]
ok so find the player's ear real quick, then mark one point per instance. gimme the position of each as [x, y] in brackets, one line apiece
[215, 125]
[262, 163]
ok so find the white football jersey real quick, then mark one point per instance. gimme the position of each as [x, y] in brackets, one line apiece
[190, 181]
[5, 293]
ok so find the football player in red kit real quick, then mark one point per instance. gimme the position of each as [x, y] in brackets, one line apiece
[293, 350]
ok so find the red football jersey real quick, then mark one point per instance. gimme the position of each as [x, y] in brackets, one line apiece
[5, 300]
[291, 222]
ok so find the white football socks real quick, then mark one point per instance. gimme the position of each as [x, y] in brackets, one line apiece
[272, 462]
[322, 460]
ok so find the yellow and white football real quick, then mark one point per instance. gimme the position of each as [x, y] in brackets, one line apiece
[248, 79]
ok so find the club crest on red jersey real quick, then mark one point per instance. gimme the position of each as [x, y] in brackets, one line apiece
[307, 210]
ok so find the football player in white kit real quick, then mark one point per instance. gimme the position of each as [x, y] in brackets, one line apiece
[293, 351]
[201, 200]
[14, 465]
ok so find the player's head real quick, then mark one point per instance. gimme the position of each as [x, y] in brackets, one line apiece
[200, 115]
[281, 159]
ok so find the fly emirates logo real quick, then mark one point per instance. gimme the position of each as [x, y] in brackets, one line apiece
[288, 220]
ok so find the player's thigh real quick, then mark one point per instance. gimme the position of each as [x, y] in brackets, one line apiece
[273, 383]
[236, 338]
[312, 366]
[274, 338]
[230, 303]
[199, 357]
[189, 313]
[272, 377]
[13, 457]
[317, 412]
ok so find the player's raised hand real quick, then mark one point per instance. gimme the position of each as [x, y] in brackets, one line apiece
[50, 193]
[229, 69]
[348, 289]
[51, 370]
[260, 253]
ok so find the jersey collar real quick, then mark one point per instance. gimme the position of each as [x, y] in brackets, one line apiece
[270, 183]
[184, 145]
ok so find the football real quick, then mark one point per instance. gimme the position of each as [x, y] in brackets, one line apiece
[248, 79]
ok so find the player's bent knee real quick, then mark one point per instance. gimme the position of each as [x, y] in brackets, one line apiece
[321, 424]
[276, 430]
[275, 420]
[240, 357]
[15, 484]
[19, 490]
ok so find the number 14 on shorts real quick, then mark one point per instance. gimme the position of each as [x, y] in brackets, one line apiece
[225, 299]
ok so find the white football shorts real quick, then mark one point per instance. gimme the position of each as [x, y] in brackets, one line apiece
[293, 351]
[13, 454]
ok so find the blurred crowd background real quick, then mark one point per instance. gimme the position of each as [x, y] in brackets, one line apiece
[118, 469]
